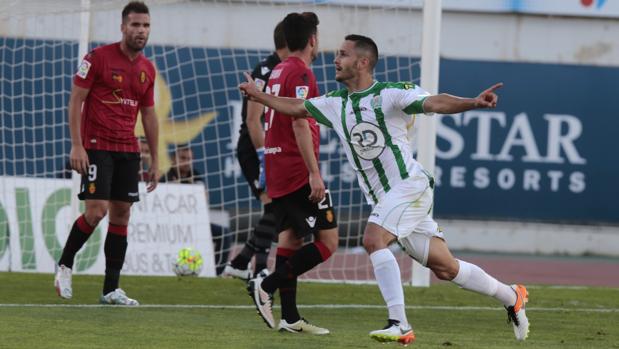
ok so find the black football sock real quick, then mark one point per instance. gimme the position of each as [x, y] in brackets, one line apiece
[262, 238]
[308, 257]
[115, 250]
[273, 281]
[288, 299]
[80, 232]
[242, 259]
[258, 244]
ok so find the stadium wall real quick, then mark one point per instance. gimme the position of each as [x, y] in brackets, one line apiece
[538, 177]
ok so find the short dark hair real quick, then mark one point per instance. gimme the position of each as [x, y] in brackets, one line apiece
[278, 36]
[134, 7]
[299, 28]
[182, 147]
[366, 44]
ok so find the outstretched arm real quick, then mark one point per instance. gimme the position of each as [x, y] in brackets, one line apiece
[292, 107]
[447, 104]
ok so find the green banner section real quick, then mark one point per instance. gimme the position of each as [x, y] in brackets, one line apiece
[88, 254]
[4, 231]
[26, 236]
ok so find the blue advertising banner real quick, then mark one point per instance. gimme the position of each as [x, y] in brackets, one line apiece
[548, 152]
[545, 154]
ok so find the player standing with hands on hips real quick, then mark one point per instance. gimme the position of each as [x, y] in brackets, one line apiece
[114, 83]
[371, 119]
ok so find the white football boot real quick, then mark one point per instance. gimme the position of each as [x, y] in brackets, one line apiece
[393, 332]
[301, 326]
[62, 282]
[118, 297]
[230, 271]
[516, 313]
[262, 300]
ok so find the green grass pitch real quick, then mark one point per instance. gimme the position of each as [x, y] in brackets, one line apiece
[217, 313]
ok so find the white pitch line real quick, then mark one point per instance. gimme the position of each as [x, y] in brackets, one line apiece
[310, 306]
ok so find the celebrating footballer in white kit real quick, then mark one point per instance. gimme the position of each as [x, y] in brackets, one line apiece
[371, 120]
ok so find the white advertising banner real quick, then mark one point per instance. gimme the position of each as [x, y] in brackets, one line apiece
[35, 219]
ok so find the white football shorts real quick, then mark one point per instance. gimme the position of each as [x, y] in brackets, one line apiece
[404, 212]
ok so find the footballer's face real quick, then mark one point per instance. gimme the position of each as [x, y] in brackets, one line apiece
[135, 29]
[346, 62]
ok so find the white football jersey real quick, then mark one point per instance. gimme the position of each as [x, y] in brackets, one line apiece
[373, 127]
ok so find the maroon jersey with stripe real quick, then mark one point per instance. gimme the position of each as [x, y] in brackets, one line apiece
[285, 169]
[118, 88]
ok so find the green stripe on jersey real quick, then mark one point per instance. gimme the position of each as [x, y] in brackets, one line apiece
[415, 108]
[380, 118]
[352, 150]
[382, 176]
[316, 114]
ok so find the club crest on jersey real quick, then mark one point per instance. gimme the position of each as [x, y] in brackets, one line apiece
[117, 77]
[376, 102]
[329, 216]
[83, 69]
[302, 91]
[367, 140]
[142, 77]
[260, 84]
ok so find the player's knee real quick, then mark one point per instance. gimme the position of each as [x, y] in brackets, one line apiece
[95, 215]
[372, 243]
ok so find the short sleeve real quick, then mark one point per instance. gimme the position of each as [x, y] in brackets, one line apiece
[261, 74]
[87, 71]
[149, 96]
[320, 109]
[409, 98]
[300, 85]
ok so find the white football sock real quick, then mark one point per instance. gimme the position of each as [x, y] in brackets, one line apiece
[472, 277]
[387, 272]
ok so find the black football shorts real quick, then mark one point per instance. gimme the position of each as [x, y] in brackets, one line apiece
[296, 211]
[111, 176]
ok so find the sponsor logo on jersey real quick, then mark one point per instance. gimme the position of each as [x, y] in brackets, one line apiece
[92, 188]
[264, 70]
[367, 140]
[260, 84]
[272, 150]
[311, 221]
[329, 216]
[83, 69]
[120, 100]
[117, 77]
[276, 73]
[301, 91]
[142, 77]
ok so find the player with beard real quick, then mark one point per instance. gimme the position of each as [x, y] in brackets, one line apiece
[371, 119]
[301, 204]
[114, 83]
